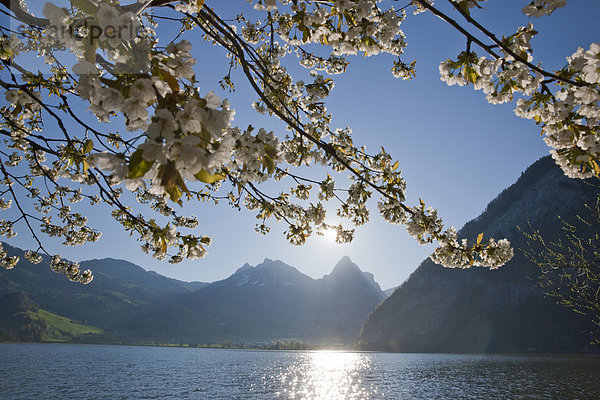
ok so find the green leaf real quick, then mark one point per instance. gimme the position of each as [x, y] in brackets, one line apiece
[168, 174]
[523, 55]
[269, 164]
[171, 80]
[205, 177]
[181, 184]
[138, 165]
[89, 50]
[595, 167]
[88, 146]
[473, 76]
[470, 74]
[463, 6]
[86, 6]
[174, 193]
[270, 151]
[306, 34]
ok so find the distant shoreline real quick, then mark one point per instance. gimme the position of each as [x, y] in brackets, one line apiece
[593, 354]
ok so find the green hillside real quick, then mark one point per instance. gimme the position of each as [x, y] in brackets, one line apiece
[59, 328]
[118, 289]
[22, 320]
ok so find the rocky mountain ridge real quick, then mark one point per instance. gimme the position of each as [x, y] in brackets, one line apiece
[267, 302]
[255, 304]
[478, 310]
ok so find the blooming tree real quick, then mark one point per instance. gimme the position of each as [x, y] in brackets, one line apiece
[179, 144]
[570, 265]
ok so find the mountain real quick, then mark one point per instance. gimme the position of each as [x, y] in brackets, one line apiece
[269, 301]
[479, 310]
[118, 288]
[22, 320]
[344, 299]
[255, 304]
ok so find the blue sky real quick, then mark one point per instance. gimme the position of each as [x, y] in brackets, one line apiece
[455, 150]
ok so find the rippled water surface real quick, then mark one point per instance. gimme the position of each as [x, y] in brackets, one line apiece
[60, 371]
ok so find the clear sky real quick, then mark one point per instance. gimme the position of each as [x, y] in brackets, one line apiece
[455, 150]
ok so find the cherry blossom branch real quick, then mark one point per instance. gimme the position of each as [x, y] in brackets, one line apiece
[501, 44]
[209, 15]
[425, 4]
[23, 213]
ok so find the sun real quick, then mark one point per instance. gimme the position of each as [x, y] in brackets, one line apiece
[329, 234]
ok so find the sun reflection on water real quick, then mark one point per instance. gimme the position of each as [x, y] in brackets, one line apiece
[327, 375]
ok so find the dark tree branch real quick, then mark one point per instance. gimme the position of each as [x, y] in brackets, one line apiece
[214, 19]
[501, 45]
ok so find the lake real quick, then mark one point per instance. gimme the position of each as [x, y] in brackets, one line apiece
[63, 371]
